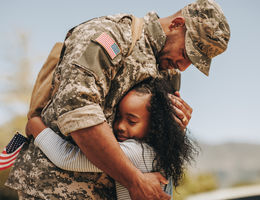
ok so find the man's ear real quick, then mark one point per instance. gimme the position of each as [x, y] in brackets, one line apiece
[176, 23]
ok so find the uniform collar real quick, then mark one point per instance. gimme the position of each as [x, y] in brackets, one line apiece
[153, 29]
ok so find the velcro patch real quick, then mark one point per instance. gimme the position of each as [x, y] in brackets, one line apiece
[109, 45]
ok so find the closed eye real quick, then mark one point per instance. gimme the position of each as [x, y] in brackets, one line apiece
[132, 119]
[131, 122]
[184, 54]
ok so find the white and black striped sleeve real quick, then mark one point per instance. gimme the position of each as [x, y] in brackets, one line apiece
[62, 153]
[68, 156]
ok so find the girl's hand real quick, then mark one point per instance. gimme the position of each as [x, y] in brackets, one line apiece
[182, 109]
[34, 126]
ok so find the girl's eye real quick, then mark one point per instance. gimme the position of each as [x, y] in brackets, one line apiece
[131, 122]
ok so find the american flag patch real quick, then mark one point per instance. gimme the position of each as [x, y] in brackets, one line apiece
[109, 44]
[8, 156]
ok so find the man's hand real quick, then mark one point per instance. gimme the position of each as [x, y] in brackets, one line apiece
[34, 126]
[182, 109]
[101, 148]
[149, 188]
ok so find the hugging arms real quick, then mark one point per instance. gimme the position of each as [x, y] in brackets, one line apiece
[145, 114]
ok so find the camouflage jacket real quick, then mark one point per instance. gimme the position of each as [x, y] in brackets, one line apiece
[89, 82]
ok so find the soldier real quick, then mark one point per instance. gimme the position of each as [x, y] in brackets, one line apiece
[94, 72]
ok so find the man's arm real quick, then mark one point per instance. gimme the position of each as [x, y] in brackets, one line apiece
[68, 156]
[77, 106]
[139, 185]
[106, 154]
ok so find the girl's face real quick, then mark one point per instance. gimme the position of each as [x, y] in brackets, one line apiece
[132, 119]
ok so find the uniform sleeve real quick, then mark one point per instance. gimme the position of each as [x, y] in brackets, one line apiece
[173, 77]
[84, 84]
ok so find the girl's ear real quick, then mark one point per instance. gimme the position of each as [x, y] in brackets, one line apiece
[176, 23]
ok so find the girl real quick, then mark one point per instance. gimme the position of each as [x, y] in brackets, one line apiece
[147, 133]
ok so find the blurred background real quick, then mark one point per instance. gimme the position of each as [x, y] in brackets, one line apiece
[226, 106]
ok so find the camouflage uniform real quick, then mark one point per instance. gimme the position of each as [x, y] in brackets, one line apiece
[89, 84]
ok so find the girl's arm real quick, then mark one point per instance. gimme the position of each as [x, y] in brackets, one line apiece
[68, 156]
[62, 153]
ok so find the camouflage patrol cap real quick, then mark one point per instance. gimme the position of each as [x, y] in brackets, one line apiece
[207, 32]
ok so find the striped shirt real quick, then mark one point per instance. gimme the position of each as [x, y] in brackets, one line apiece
[69, 157]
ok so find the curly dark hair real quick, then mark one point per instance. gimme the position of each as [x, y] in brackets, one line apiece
[172, 146]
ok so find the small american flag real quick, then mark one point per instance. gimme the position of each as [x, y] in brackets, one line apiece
[109, 44]
[8, 156]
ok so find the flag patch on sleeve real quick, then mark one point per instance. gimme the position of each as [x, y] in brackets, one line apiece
[109, 45]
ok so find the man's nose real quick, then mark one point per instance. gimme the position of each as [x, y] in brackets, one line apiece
[183, 65]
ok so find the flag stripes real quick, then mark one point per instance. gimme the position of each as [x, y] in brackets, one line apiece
[10, 153]
[109, 44]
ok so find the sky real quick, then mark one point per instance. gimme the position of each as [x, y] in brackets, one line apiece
[226, 105]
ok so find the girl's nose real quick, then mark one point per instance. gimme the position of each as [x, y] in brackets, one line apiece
[120, 127]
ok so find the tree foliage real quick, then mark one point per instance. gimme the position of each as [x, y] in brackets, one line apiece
[17, 90]
[192, 184]
[18, 79]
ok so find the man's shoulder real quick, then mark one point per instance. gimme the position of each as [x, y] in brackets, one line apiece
[105, 22]
[112, 33]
